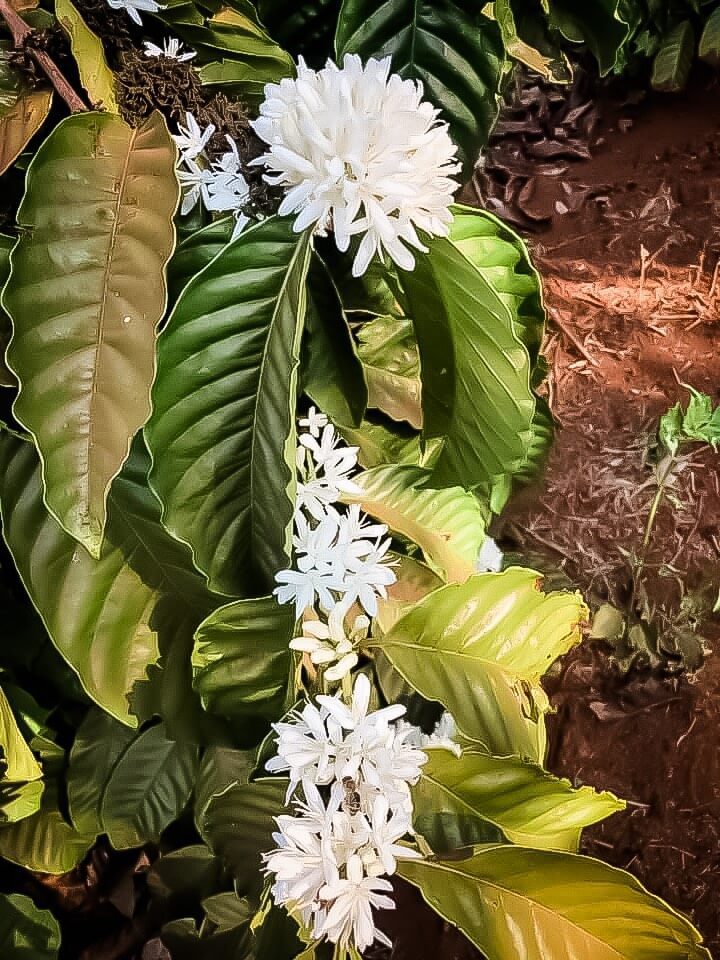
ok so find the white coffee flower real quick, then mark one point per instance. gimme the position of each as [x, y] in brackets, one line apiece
[350, 919]
[195, 182]
[228, 190]
[192, 139]
[132, 7]
[329, 645]
[331, 566]
[360, 153]
[490, 558]
[442, 736]
[171, 50]
[313, 422]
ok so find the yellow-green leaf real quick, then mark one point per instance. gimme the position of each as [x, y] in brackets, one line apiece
[22, 111]
[448, 524]
[95, 75]
[512, 902]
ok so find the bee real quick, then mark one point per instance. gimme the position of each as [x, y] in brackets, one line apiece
[351, 801]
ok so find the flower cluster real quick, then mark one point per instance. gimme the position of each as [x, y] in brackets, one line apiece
[359, 153]
[340, 557]
[333, 855]
[219, 184]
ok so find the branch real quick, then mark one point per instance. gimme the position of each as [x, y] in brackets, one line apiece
[21, 32]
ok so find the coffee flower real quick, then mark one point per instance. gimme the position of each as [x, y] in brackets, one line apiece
[132, 8]
[360, 154]
[170, 50]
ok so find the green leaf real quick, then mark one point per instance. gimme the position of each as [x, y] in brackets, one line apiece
[674, 59]
[517, 48]
[196, 252]
[233, 34]
[21, 786]
[148, 788]
[95, 75]
[536, 904]
[530, 806]
[504, 261]
[242, 660]
[188, 874]
[22, 111]
[453, 48]
[380, 445]
[108, 617]
[223, 453]
[330, 370]
[480, 649]
[709, 49]
[448, 525]
[389, 352]
[241, 79]
[128, 784]
[96, 226]
[238, 825]
[670, 430]
[598, 23]
[475, 371]
[26, 932]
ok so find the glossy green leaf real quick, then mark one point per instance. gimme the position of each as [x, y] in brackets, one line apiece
[674, 59]
[540, 905]
[223, 452]
[388, 350]
[330, 370]
[196, 252]
[480, 648]
[448, 525]
[108, 617]
[238, 826]
[188, 874]
[95, 75]
[241, 658]
[475, 370]
[148, 787]
[96, 226]
[530, 806]
[377, 444]
[22, 111]
[26, 932]
[21, 785]
[450, 45]
[709, 48]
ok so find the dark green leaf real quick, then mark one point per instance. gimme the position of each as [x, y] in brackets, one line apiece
[26, 932]
[710, 40]
[389, 352]
[673, 61]
[449, 45]
[330, 371]
[242, 660]
[223, 451]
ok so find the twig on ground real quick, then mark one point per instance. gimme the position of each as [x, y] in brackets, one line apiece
[20, 33]
[576, 342]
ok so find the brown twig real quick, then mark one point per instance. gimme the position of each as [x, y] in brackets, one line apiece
[20, 32]
[569, 335]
